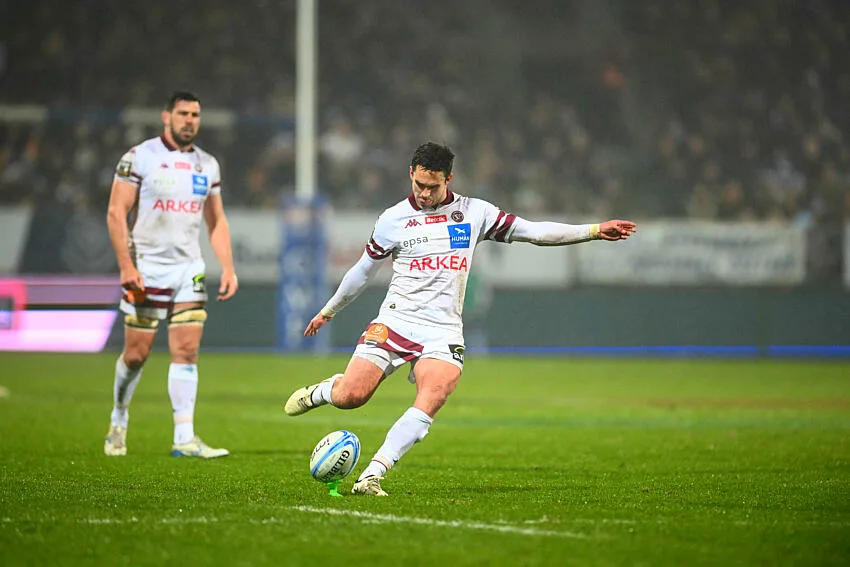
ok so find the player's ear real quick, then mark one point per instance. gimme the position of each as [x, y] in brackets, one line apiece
[449, 178]
[166, 117]
[411, 172]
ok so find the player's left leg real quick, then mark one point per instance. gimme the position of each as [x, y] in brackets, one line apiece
[435, 380]
[185, 328]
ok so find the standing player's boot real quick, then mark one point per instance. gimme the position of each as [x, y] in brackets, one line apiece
[116, 441]
[370, 485]
[197, 448]
[301, 400]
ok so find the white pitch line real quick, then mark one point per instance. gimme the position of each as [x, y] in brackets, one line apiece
[392, 519]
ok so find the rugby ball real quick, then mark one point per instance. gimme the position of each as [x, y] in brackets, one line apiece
[335, 456]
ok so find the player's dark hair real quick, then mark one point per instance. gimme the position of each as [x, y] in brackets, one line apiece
[433, 157]
[177, 96]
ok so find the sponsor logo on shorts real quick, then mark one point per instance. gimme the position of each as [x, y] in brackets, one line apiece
[376, 334]
[200, 184]
[460, 235]
[454, 263]
[457, 352]
[199, 283]
[433, 219]
[172, 206]
[457, 216]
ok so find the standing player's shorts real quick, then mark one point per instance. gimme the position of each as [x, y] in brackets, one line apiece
[390, 344]
[165, 285]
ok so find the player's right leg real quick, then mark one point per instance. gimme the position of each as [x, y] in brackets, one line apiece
[138, 340]
[346, 391]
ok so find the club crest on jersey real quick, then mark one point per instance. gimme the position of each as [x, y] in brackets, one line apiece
[457, 216]
[200, 184]
[460, 235]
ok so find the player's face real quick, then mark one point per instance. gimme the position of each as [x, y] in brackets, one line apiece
[184, 121]
[429, 187]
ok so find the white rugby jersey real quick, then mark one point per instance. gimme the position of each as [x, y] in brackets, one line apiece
[432, 254]
[173, 187]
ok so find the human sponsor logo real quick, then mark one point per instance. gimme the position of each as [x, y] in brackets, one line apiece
[412, 222]
[200, 184]
[459, 235]
[173, 206]
[199, 283]
[457, 216]
[376, 334]
[434, 219]
[432, 263]
[457, 352]
[182, 165]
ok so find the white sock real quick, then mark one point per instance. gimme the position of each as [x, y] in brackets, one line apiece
[410, 428]
[126, 381]
[322, 394]
[183, 389]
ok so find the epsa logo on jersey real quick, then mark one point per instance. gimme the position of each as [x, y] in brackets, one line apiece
[200, 184]
[460, 235]
[435, 219]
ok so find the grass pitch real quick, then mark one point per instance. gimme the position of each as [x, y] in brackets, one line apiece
[532, 462]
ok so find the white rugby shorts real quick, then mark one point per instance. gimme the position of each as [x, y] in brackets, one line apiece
[165, 285]
[392, 343]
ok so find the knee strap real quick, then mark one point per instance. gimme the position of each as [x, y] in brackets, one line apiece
[192, 316]
[141, 323]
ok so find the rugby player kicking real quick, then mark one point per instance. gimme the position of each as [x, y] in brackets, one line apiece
[431, 236]
[169, 185]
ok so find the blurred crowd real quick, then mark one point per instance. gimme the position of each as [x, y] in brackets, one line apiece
[660, 108]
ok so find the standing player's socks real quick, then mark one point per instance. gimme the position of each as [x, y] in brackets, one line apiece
[126, 380]
[410, 428]
[183, 389]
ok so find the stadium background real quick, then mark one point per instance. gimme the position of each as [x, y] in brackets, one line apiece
[721, 129]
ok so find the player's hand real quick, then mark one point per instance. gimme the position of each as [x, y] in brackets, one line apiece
[131, 279]
[317, 323]
[229, 285]
[616, 229]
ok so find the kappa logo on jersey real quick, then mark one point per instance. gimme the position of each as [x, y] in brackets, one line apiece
[200, 184]
[435, 219]
[172, 206]
[412, 222]
[454, 263]
[460, 235]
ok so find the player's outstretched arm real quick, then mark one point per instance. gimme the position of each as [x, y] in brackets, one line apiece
[352, 285]
[548, 233]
